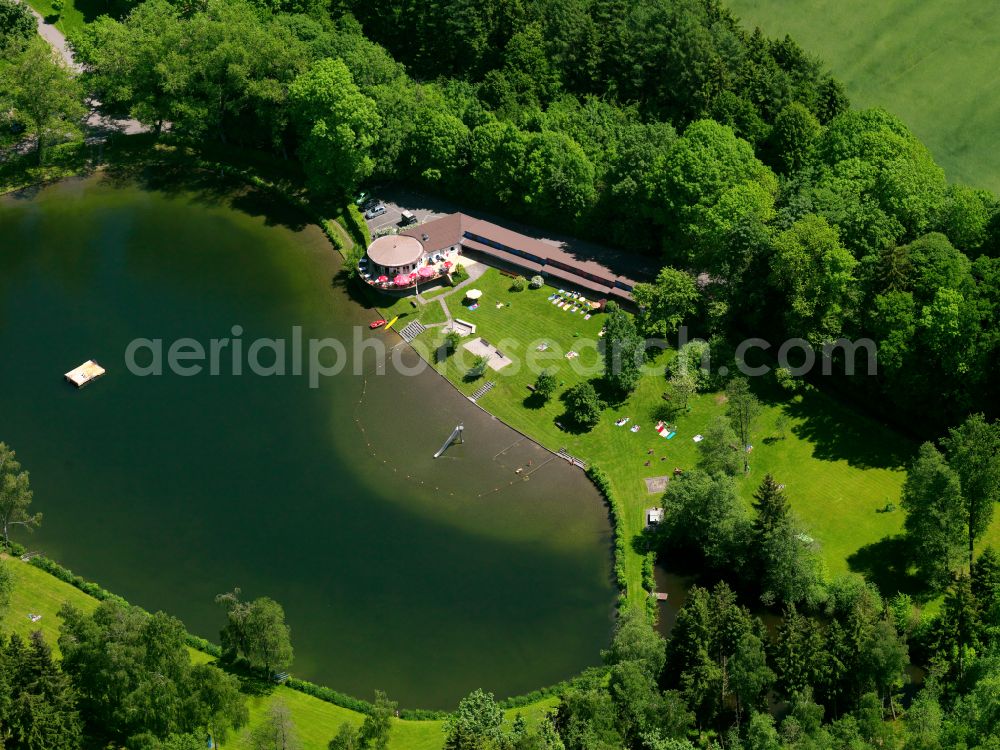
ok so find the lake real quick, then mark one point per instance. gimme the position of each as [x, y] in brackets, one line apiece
[426, 578]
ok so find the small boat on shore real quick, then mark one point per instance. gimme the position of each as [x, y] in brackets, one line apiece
[376, 324]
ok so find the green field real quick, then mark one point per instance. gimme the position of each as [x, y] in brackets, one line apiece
[931, 62]
[316, 721]
[840, 467]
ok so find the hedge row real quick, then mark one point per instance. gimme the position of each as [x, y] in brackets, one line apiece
[601, 481]
[329, 695]
[355, 225]
[649, 584]
[68, 576]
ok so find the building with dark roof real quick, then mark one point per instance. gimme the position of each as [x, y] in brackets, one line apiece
[443, 238]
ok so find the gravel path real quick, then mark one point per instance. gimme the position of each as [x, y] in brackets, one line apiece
[98, 125]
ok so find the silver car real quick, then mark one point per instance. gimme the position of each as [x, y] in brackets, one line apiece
[377, 211]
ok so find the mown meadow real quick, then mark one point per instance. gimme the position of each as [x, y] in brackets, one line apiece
[931, 63]
[843, 470]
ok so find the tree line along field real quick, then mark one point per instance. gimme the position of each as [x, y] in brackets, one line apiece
[931, 63]
[840, 467]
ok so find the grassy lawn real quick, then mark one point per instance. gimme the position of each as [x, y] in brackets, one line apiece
[408, 308]
[38, 593]
[840, 467]
[317, 722]
[932, 62]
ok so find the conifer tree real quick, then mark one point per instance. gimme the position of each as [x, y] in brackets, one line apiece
[771, 506]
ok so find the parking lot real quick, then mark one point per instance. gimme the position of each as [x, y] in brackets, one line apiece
[393, 214]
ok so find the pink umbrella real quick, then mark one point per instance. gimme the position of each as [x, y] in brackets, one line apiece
[382, 279]
[401, 280]
[426, 271]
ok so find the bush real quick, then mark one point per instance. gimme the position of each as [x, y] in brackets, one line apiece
[519, 284]
[478, 368]
[353, 257]
[786, 380]
[451, 341]
[537, 282]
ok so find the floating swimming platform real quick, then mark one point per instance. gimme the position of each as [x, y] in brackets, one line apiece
[85, 373]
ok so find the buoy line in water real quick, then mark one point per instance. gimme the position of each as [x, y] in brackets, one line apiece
[374, 453]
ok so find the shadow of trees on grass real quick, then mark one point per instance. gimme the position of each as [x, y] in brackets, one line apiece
[889, 563]
[837, 433]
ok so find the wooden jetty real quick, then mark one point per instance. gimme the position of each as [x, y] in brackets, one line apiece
[85, 373]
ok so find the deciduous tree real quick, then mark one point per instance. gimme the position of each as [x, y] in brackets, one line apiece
[257, 632]
[15, 495]
[718, 453]
[17, 25]
[624, 350]
[667, 302]
[973, 451]
[41, 91]
[742, 408]
[935, 516]
[338, 125]
[583, 405]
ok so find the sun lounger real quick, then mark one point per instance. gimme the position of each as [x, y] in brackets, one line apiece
[671, 435]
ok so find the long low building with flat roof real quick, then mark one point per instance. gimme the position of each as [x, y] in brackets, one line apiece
[400, 262]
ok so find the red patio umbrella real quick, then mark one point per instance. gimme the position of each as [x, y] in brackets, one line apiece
[426, 271]
[447, 264]
[413, 276]
[382, 279]
[401, 280]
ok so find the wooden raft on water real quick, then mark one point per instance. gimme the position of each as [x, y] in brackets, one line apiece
[85, 373]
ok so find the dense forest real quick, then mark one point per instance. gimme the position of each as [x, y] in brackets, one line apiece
[776, 210]
[660, 126]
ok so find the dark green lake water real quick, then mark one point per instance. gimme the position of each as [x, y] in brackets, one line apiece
[424, 578]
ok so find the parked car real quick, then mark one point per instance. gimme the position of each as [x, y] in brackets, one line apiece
[370, 203]
[377, 211]
[407, 218]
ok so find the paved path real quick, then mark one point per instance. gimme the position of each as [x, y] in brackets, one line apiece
[98, 125]
[477, 270]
